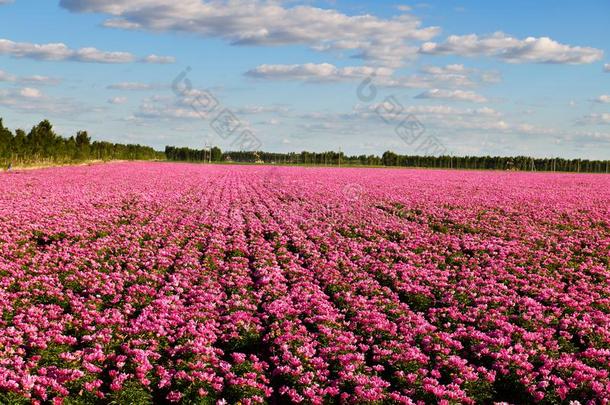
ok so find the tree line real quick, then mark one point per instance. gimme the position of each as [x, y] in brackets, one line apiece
[391, 159]
[42, 145]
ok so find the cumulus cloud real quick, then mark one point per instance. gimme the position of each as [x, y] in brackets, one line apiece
[154, 111]
[323, 72]
[491, 77]
[35, 79]
[272, 121]
[443, 70]
[39, 80]
[120, 24]
[261, 109]
[32, 100]
[270, 23]
[163, 107]
[595, 119]
[607, 67]
[61, 52]
[28, 92]
[456, 95]
[470, 117]
[455, 75]
[117, 100]
[158, 59]
[6, 77]
[593, 137]
[375, 117]
[513, 50]
[95, 55]
[131, 86]
[603, 99]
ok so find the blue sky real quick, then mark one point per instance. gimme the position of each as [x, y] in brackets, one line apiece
[480, 77]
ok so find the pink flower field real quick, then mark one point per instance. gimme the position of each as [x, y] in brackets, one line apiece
[136, 283]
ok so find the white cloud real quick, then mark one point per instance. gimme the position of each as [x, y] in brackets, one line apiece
[5, 2]
[513, 50]
[61, 52]
[158, 59]
[270, 23]
[443, 70]
[7, 77]
[152, 111]
[439, 116]
[434, 110]
[486, 111]
[35, 79]
[121, 24]
[161, 107]
[607, 67]
[491, 77]
[457, 75]
[499, 125]
[323, 72]
[260, 109]
[271, 122]
[447, 76]
[131, 86]
[56, 51]
[95, 55]
[603, 99]
[28, 92]
[488, 126]
[173, 109]
[530, 129]
[456, 95]
[117, 100]
[589, 137]
[31, 100]
[376, 116]
[38, 79]
[595, 119]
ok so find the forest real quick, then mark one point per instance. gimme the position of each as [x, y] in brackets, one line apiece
[41, 145]
[391, 159]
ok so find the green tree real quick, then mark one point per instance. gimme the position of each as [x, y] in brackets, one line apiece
[216, 154]
[83, 145]
[6, 141]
